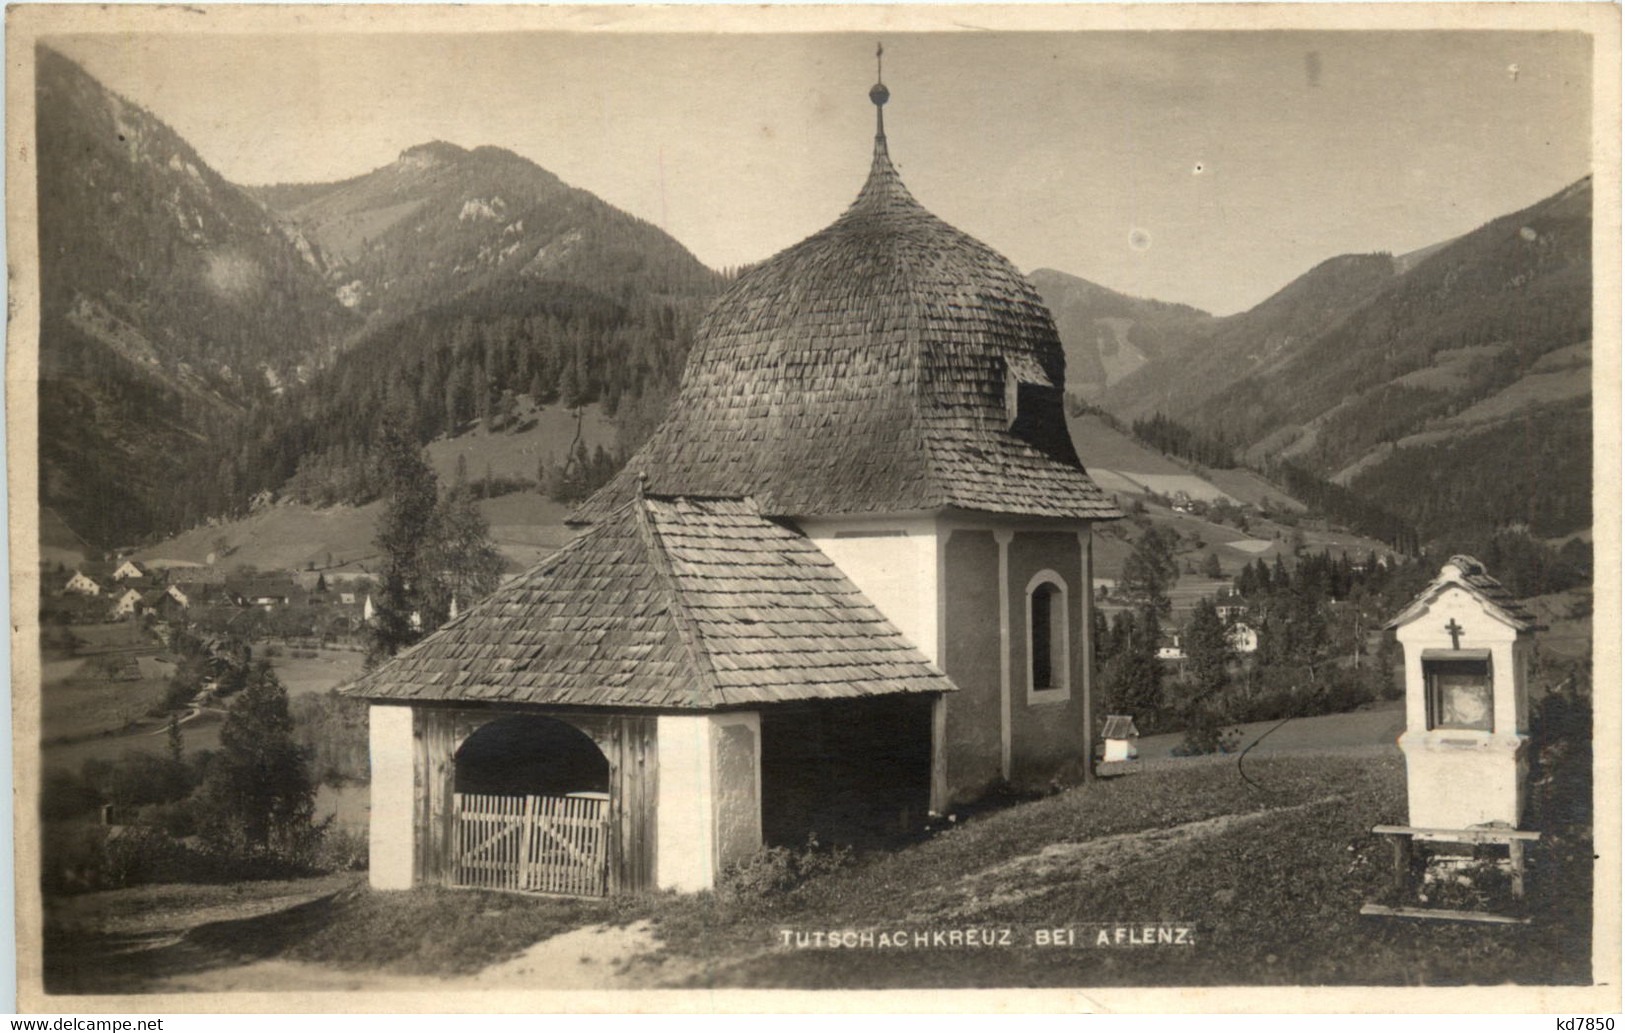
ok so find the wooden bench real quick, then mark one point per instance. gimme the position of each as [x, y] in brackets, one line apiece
[1402, 838]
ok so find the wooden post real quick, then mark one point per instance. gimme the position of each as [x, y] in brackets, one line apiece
[1515, 855]
[1402, 860]
[1087, 539]
[530, 868]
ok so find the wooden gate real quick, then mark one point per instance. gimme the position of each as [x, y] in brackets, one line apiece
[542, 844]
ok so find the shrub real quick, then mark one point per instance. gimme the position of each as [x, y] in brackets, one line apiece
[1205, 733]
[64, 795]
[774, 871]
[342, 850]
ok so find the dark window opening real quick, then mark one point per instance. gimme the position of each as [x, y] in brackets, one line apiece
[1047, 637]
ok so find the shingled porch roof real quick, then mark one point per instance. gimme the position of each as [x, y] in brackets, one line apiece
[1468, 573]
[666, 603]
[871, 368]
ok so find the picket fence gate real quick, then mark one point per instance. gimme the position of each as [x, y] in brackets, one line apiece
[539, 844]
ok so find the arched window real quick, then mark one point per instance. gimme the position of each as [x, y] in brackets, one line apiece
[1049, 675]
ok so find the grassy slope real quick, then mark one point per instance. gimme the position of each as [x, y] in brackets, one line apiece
[1099, 445]
[526, 526]
[1271, 879]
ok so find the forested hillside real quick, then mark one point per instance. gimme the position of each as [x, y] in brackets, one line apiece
[482, 278]
[171, 303]
[464, 364]
[1231, 350]
[1430, 386]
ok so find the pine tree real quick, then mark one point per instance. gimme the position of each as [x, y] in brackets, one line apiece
[258, 794]
[1207, 648]
[466, 564]
[405, 538]
[1149, 570]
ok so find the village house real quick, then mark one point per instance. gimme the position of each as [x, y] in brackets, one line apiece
[82, 584]
[159, 602]
[1170, 647]
[1243, 637]
[846, 582]
[127, 605]
[265, 592]
[198, 593]
[130, 569]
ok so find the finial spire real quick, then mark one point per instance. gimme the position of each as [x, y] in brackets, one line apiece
[879, 95]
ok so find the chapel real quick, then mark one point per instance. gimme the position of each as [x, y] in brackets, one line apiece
[846, 583]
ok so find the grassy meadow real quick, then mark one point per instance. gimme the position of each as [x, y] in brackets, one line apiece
[1268, 872]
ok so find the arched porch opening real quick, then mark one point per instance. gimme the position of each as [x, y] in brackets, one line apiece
[530, 756]
[532, 809]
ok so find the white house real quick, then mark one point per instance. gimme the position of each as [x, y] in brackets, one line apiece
[1171, 648]
[128, 604]
[82, 584]
[1243, 637]
[1467, 646]
[848, 580]
[129, 569]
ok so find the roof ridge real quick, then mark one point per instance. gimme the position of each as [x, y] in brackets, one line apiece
[687, 628]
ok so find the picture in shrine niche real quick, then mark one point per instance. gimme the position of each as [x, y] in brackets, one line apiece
[1460, 695]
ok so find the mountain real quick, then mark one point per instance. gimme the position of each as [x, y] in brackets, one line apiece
[171, 303]
[1232, 349]
[1108, 336]
[1451, 386]
[482, 279]
[202, 343]
[442, 221]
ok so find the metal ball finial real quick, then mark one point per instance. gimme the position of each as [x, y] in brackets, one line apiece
[878, 92]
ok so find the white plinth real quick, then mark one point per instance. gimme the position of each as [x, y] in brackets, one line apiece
[1456, 780]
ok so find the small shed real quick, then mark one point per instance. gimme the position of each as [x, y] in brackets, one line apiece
[1468, 645]
[1119, 735]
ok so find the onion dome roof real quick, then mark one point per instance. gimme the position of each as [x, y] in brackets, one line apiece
[887, 363]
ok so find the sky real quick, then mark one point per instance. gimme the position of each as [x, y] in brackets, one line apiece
[1200, 167]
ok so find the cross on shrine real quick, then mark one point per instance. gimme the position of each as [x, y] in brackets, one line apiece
[1455, 631]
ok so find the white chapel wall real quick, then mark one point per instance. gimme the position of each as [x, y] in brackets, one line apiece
[390, 835]
[684, 822]
[893, 561]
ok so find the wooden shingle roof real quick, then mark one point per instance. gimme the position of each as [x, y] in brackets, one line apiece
[1468, 573]
[666, 603]
[1119, 726]
[868, 369]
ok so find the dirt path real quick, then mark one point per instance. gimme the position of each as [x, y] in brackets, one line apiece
[1024, 878]
[594, 957]
[124, 941]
